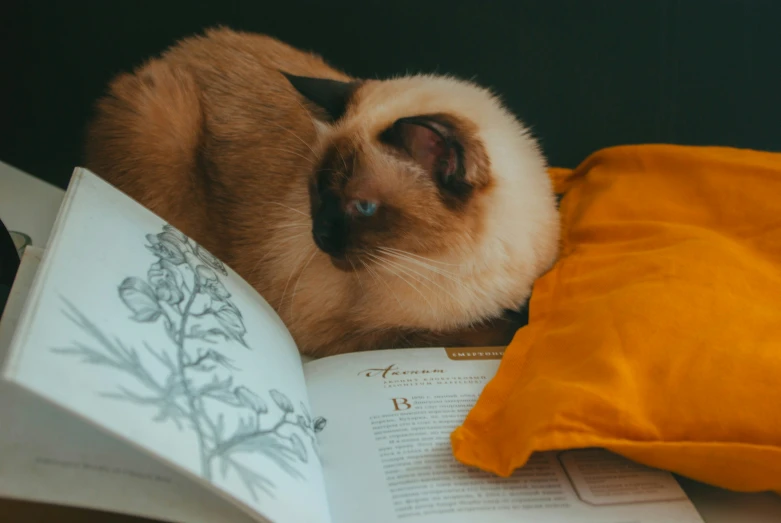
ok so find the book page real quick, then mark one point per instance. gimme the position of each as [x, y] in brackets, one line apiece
[138, 330]
[51, 457]
[387, 454]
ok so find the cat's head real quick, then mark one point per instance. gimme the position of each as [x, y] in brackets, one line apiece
[429, 168]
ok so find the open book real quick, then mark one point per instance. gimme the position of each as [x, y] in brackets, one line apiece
[142, 376]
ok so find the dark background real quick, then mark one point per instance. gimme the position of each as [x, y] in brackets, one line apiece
[584, 74]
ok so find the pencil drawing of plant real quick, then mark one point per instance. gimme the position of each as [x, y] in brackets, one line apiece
[190, 382]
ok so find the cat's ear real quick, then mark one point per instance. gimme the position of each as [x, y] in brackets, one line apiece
[330, 95]
[433, 145]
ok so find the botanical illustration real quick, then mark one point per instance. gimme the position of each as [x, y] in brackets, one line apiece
[190, 380]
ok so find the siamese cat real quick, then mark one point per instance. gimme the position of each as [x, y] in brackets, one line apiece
[412, 211]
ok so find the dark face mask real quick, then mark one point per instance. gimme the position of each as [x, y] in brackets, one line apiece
[9, 264]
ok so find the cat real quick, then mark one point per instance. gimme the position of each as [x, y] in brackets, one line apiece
[405, 212]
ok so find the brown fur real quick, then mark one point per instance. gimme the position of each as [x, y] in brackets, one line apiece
[214, 139]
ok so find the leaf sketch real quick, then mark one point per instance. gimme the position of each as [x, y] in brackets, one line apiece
[190, 382]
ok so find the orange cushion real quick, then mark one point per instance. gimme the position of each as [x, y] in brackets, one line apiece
[657, 334]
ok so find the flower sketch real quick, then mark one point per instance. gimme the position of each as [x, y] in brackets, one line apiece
[189, 382]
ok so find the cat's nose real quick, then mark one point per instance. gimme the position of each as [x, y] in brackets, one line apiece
[328, 240]
[321, 237]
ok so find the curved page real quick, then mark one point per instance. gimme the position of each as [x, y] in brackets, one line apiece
[136, 329]
[48, 456]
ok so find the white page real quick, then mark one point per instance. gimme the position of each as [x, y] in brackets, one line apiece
[101, 336]
[49, 456]
[387, 456]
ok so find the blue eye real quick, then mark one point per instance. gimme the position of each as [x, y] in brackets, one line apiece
[365, 207]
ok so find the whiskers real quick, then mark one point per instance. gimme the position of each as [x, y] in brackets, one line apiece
[303, 262]
[418, 271]
[294, 135]
[308, 159]
[409, 255]
[295, 287]
[411, 262]
[294, 231]
[302, 213]
[378, 279]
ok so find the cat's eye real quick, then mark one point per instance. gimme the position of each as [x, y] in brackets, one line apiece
[365, 207]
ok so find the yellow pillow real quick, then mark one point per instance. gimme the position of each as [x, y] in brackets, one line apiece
[657, 334]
